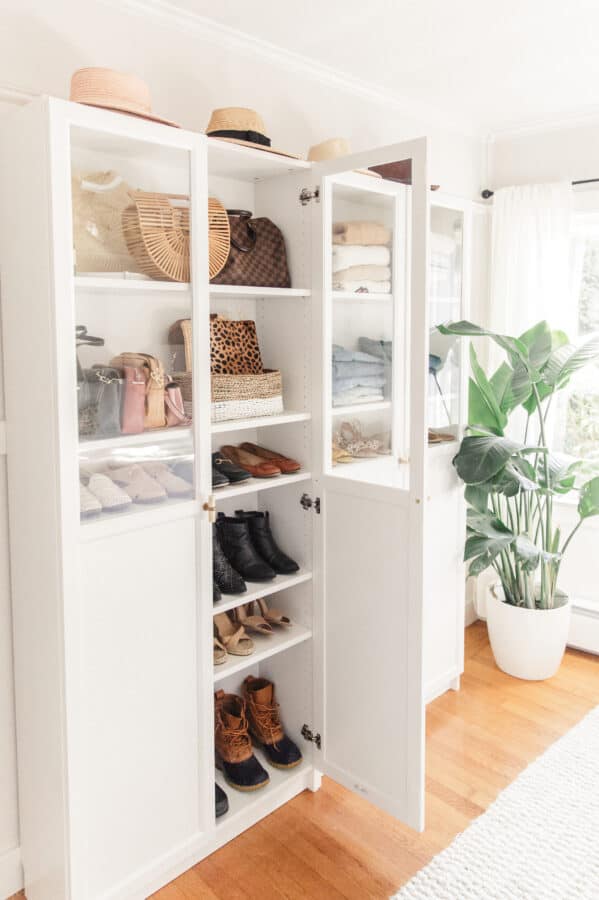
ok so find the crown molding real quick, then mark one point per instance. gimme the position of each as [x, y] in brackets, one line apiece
[558, 123]
[10, 94]
[168, 14]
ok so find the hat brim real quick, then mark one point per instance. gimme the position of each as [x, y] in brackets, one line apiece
[368, 172]
[128, 111]
[256, 146]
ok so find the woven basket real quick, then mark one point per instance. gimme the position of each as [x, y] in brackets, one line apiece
[157, 235]
[245, 396]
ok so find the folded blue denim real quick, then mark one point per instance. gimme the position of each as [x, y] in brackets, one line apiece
[356, 369]
[380, 349]
[370, 381]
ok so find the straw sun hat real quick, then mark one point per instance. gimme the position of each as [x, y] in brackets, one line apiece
[242, 126]
[335, 148]
[118, 91]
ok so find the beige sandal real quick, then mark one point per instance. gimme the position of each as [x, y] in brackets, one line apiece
[340, 456]
[219, 654]
[273, 616]
[232, 636]
[252, 623]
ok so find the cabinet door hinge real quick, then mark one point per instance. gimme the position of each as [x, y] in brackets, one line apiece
[308, 735]
[306, 195]
[306, 502]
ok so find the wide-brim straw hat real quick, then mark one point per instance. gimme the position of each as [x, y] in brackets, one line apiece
[239, 125]
[118, 91]
[335, 148]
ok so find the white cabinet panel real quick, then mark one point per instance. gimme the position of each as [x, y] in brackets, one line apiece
[139, 698]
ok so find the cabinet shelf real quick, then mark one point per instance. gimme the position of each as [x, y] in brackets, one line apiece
[253, 485]
[355, 408]
[249, 164]
[284, 784]
[265, 647]
[256, 591]
[363, 297]
[256, 293]
[116, 284]
[284, 418]
[154, 436]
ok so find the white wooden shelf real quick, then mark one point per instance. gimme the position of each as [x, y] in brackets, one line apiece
[284, 418]
[249, 164]
[256, 293]
[363, 296]
[136, 517]
[253, 485]
[283, 784]
[264, 647]
[256, 591]
[355, 408]
[153, 436]
[114, 284]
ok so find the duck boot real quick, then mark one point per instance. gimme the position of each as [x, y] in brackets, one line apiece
[234, 754]
[238, 547]
[265, 724]
[265, 544]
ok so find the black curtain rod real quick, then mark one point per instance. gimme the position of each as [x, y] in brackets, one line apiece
[487, 194]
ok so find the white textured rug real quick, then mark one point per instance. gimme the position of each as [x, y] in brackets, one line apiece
[539, 840]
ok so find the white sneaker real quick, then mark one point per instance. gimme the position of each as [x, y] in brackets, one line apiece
[112, 498]
[88, 504]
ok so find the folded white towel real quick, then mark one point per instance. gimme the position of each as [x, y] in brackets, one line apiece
[346, 255]
[373, 287]
[371, 273]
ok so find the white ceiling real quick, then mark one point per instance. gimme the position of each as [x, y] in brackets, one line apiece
[495, 65]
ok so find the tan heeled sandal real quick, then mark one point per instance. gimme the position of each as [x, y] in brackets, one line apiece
[340, 456]
[273, 616]
[260, 625]
[232, 636]
[219, 653]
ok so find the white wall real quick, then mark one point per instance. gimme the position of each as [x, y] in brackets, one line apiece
[189, 72]
[570, 153]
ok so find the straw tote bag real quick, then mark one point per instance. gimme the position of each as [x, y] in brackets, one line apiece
[155, 383]
[257, 256]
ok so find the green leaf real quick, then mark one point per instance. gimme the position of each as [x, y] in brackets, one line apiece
[567, 359]
[480, 563]
[539, 343]
[487, 525]
[483, 406]
[519, 388]
[543, 391]
[478, 544]
[562, 472]
[588, 504]
[480, 457]
[516, 350]
[518, 475]
[527, 553]
[500, 381]
[477, 497]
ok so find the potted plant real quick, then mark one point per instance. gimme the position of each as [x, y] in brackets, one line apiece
[512, 479]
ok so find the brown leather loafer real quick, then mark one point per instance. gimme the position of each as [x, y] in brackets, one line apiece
[255, 465]
[284, 463]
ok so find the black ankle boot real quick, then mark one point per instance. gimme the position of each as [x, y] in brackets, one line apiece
[234, 537]
[225, 577]
[264, 542]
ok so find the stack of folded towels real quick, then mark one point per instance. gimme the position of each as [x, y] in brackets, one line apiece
[361, 257]
[358, 377]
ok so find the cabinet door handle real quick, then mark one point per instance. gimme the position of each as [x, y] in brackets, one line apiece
[210, 507]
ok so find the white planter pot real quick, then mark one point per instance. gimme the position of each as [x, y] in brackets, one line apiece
[527, 643]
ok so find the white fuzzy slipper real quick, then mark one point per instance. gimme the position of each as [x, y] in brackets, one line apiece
[172, 484]
[88, 504]
[110, 495]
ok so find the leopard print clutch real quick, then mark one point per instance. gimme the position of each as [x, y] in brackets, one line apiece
[234, 347]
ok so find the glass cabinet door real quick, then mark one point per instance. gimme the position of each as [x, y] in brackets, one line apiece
[133, 311]
[446, 297]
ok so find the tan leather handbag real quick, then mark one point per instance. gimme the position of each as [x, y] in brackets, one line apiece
[156, 381]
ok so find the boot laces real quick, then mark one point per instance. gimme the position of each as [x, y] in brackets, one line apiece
[267, 718]
[237, 738]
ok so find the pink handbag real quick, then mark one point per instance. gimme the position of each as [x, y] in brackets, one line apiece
[173, 406]
[134, 401]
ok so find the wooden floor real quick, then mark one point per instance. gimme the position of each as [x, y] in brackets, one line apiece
[333, 845]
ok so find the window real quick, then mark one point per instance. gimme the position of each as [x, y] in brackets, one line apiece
[578, 413]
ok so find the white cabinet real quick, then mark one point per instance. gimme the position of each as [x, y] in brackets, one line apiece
[113, 613]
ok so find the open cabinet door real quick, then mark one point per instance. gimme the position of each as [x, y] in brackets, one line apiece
[370, 320]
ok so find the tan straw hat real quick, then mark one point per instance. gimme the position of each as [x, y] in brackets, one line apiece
[118, 91]
[238, 125]
[335, 148]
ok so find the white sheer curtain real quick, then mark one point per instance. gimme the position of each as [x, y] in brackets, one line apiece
[531, 260]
